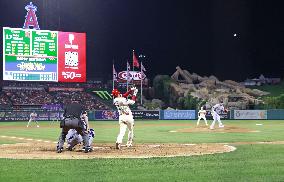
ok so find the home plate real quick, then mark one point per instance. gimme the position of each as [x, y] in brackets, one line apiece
[189, 144]
[258, 124]
[173, 131]
[98, 147]
[154, 146]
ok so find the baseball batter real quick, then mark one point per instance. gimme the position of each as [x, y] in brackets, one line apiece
[33, 116]
[201, 115]
[73, 138]
[215, 111]
[126, 120]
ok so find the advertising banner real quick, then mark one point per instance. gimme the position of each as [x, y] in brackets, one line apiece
[71, 57]
[275, 114]
[69, 89]
[18, 115]
[250, 114]
[106, 115]
[223, 115]
[133, 75]
[113, 115]
[43, 55]
[178, 114]
[146, 114]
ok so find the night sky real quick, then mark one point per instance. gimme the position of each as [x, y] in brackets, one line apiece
[231, 39]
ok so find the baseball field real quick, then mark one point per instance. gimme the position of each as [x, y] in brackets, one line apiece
[174, 150]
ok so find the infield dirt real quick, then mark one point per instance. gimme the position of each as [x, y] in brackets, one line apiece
[36, 150]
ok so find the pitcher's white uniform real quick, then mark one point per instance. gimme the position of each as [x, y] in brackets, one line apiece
[215, 111]
[201, 115]
[125, 117]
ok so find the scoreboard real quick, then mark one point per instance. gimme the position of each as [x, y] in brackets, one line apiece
[43, 55]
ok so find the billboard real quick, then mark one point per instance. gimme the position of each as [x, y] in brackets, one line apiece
[178, 114]
[72, 57]
[223, 115]
[37, 55]
[133, 75]
[113, 115]
[250, 114]
[146, 114]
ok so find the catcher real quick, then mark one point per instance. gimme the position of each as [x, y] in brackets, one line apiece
[73, 138]
[125, 115]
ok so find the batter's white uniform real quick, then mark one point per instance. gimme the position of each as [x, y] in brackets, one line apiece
[125, 119]
[201, 115]
[215, 111]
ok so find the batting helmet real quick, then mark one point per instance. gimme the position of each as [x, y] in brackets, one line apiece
[115, 92]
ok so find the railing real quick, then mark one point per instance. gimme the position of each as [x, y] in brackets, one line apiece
[48, 115]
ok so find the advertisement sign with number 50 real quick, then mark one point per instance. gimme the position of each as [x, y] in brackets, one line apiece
[71, 57]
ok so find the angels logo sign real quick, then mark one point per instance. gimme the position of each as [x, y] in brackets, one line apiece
[31, 19]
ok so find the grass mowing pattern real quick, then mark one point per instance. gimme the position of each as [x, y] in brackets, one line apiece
[157, 131]
[248, 163]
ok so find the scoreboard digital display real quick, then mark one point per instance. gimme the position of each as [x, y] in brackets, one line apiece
[42, 55]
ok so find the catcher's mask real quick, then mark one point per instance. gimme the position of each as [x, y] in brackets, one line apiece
[115, 93]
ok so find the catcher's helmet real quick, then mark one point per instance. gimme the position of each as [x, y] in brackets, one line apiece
[115, 92]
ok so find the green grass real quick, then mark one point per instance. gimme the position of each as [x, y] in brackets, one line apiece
[156, 131]
[7, 141]
[258, 162]
[274, 90]
[248, 163]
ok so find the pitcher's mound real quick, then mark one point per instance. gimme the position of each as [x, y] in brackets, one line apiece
[226, 129]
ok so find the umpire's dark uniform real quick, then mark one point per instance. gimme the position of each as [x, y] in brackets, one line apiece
[72, 120]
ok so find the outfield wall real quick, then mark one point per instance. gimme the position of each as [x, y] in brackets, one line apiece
[44, 115]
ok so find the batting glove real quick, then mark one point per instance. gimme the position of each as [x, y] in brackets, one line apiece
[135, 92]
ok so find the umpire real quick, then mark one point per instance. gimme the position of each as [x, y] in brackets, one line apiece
[72, 120]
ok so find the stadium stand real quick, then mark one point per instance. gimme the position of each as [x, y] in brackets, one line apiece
[22, 95]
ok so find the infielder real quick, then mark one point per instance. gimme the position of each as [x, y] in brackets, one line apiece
[73, 138]
[201, 115]
[125, 115]
[56, 117]
[33, 116]
[215, 111]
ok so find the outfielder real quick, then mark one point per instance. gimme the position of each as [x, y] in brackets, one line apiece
[215, 111]
[201, 115]
[73, 138]
[33, 116]
[125, 115]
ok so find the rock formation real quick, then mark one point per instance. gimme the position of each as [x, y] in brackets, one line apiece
[233, 94]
